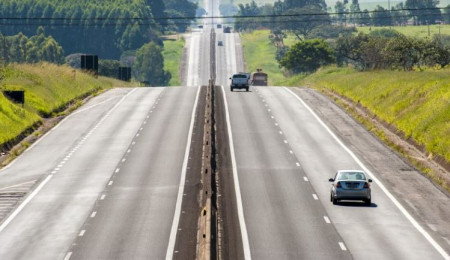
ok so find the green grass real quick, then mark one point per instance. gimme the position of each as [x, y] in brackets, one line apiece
[417, 103]
[172, 56]
[415, 31]
[48, 89]
[259, 52]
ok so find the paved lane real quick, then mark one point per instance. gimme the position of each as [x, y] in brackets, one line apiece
[383, 230]
[284, 158]
[283, 218]
[134, 214]
[75, 161]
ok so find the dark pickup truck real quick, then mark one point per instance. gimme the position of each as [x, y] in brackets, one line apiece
[240, 81]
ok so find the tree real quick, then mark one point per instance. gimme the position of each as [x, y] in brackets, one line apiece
[302, 21]
[247, 10]
[158, 8]
[149, 65]
[437, 53]
[108, 68]
[51, 51]
[308, 56]
[355, 12]
[446, 15]
[404, 52]
[289, 4]
[381, 17]
[348, 50]
[425, 14]
[182, 8]
[340, 8]
[399, 17]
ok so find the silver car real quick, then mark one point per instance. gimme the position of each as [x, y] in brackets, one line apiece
[350, 185]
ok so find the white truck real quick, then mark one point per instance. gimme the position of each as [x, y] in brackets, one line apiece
[240, 80]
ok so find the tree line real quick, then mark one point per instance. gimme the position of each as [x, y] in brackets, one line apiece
[39, 47]
[302, 16]
[380, 49]
[107, 28]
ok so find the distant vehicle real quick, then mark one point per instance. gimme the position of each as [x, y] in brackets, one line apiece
[200, 26]
[240, 80]
[350, 185]
[227, 29]
[220, 43]
[259, 78]
[219, 26]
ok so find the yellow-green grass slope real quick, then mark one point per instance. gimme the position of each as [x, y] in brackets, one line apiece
[260, 53]
[413, 31]
[416, 103]
[173, 50]
[48, 89]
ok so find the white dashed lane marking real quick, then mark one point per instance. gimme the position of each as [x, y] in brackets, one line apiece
[68, 256]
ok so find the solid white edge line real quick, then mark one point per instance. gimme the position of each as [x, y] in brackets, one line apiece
[176, 217]
[376, 180]
[24, 203]
[42, 184]
[56, 126]
[342, 246]
[240, 208]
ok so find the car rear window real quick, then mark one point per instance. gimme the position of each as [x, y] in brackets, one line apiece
[240, 76]
[351, 176]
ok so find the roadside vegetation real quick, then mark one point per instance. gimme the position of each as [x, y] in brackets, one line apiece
[416, 103]
[49, 90]
[173, 51]
[398, 74]
[260, 53]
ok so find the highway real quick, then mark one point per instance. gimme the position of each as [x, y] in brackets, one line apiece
[119, 177]
[109, 178]
[287, 144]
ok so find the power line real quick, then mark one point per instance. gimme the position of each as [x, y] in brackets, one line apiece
[223, 17]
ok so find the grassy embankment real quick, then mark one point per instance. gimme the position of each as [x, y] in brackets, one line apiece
[49, 89]
[173, 50]
[413, 31]
[259, 52]
[416, 103]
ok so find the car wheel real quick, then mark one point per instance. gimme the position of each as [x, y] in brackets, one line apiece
[334, 200]
[368, 202]
[246, 89]
[231, 89]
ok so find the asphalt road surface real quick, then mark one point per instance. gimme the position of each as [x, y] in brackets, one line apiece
[286, 150]
[117, 178]
[109, 178]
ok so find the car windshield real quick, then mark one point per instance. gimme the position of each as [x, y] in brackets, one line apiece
[351, 176]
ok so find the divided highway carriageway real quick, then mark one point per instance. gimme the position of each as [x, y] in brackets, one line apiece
[200, 172]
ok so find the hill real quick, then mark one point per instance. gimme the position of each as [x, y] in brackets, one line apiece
[49, 89]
